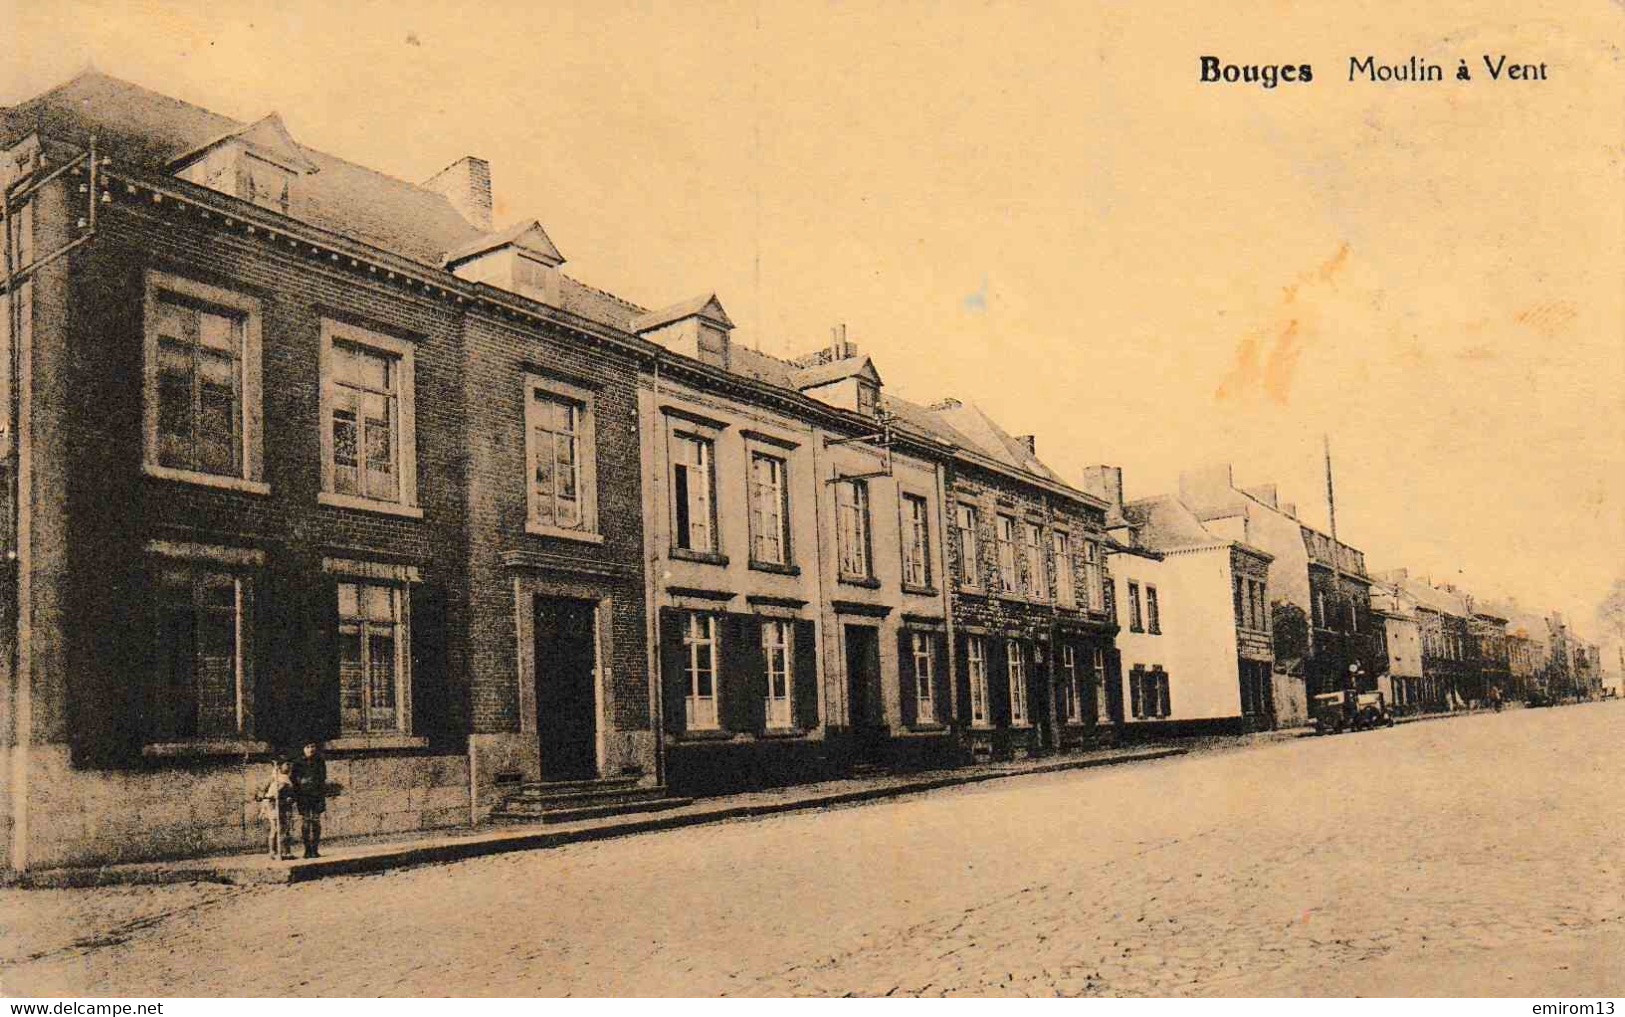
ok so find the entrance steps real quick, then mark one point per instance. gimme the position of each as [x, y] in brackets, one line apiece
[565, 801]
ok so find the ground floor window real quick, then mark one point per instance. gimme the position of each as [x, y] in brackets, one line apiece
[1071, 684]
[925, 671]
[778, 647]
[1016, 652]
[976, 663]
[700, 648]
[200, 690]
[1148, 692]
[1098, 666]
[373, 690]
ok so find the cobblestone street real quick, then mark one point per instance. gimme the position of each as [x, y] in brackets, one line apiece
[1473, 856]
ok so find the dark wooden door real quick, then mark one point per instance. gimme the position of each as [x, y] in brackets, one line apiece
[566, 697]
[865, 706]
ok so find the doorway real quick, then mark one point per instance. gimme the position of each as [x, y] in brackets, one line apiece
[566, 687]
[866, 712]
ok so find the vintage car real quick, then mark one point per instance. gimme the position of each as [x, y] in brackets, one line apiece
[1336, 712]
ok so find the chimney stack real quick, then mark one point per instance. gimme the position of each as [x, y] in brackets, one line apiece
[1030, 442]
[466, 183]
[1106, 483]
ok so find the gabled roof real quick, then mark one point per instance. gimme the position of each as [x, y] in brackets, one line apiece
[526, 236]
[268, 136]
[993, 441]
[705, 306]
[861, 366]
[1164, 523]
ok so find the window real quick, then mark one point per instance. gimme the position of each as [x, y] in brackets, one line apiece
[925, 670]
[200, 691]
[693, 478]
[202, 384]
[970, 561]
[916, 542]
[560, 457]
[778, 647]
[1092, 576]
[1153, 612]
[700, 647]
[769, 510]
[1108, 591]
[1009, 581]
[265, 184]
[1016, 652]
[976, 665]
[1098, 664]
[852, 513]
[1242, 611]
[1135, 622]
[1061, 551]
[1320, 609]
[1148, 692]
[1071, 684]
[1032, 540]
[369, 450]
[373, 691]
[868, 398]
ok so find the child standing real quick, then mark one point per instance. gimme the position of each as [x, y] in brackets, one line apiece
[276, 806]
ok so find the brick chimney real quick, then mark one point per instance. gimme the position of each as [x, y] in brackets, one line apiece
[466, 183]
[1030, 441]
[1105, 483]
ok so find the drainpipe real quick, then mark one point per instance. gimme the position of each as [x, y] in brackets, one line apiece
[651, 622]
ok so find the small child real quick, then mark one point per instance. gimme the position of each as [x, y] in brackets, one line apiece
[276, 806]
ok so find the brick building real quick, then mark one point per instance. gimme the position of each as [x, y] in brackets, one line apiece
[298, 451]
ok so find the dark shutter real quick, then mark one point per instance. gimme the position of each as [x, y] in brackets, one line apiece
[1163, 683]
[673, 680]
[941, 692]
[998, 682]
[432, 710]
[806, 675]
[744, 673]
[317, 717]
[906, 680]
[962, 680]
[1114, 686]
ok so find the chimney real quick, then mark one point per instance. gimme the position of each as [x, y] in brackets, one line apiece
[1207, 487]
[1106, 483]
[1030, 442]
[466, 183]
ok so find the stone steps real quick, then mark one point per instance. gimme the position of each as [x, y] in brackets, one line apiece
[568, 801]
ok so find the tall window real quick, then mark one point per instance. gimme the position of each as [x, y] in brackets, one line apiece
[769, 510]
[1243, 594]
[556, 451]
[1061, 551]
[1071, 684]
[778, 647]
[1093, 576]
[976, 665]
[1135, 622]
[1016, 654]
[925, 671]
[369, 453]
[1153, 611]
[200, 392]
[852, 512]
[1009, 580]
[916, 541]
[200, 686]
[1098, 667]
[372, 659]
[1148, 692]
[1032, 542]
[202, 383]
[970, 561]
[693, 479]
[700, 647]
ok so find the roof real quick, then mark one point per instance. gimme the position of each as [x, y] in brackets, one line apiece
[147, 129]
[987, 437]
[268, 135]
[705, 306]
[804, 378]
[527, 236]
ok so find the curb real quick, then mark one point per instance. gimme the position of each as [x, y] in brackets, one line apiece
[242, 871]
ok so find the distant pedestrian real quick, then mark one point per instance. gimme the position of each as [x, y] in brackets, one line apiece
[276, 808]
[310, 780]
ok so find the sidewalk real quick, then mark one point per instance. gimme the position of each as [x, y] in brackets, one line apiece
[345, 858]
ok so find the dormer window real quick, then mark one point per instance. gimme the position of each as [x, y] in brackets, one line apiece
[258, 163]
[868, 398]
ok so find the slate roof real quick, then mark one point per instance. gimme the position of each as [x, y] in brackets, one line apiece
[993, 441]
[144, 128]
[803, 378]
[706, 305]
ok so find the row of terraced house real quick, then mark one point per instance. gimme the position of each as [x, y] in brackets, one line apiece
[298, 451]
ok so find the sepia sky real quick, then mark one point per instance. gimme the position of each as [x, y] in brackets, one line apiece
[1039, 208]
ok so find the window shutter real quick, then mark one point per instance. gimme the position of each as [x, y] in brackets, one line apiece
[1114, 685]
[906, 680]
[805, 679]
[1164, 707]
[317, 715]
[743, 681]
[962, 680]
[941, 694]
[998, 682]
[432, 712]
[673, 682]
